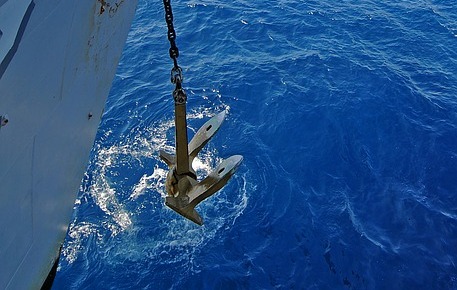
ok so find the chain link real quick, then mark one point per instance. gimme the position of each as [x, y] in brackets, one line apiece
[176, 77]
[174, 52]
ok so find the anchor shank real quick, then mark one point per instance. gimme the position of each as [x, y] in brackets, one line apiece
[182, 151]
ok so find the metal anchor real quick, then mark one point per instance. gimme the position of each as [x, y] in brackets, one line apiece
[184, 191]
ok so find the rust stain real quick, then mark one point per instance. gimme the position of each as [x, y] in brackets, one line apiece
[103, 5]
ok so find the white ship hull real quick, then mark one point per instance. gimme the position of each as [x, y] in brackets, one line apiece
[57, 61]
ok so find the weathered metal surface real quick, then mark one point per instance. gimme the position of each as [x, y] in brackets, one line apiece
[53, 89]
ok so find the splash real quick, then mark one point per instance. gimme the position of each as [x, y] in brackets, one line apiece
[128, 186]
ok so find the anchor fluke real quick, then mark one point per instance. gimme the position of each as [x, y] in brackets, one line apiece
[215, 180]
[168, 158]
[205, 133]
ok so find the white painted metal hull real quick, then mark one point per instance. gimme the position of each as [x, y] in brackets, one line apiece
[57, 65]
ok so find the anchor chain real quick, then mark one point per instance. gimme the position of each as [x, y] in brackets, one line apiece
[176, 76]
[174, 51]
[184, 191]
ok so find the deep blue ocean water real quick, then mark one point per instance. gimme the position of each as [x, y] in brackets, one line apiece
[346, 115]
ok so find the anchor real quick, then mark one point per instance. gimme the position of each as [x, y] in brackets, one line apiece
[184, 191]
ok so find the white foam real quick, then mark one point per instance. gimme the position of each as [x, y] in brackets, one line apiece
[173, 230]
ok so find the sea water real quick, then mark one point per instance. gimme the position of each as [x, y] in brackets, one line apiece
[346, 115]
